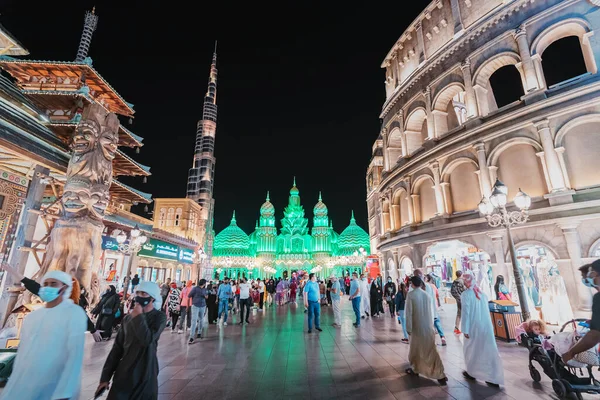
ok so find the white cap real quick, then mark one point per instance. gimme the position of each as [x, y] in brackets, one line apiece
[153, 290]
[61, 277]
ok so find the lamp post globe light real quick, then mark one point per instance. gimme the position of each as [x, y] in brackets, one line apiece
[130, 248]
[496, 214]
[202, 256]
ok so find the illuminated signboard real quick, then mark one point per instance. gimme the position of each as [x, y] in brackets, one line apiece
[167, 251]
[110, 243]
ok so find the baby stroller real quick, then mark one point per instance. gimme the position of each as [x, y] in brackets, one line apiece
[563, 376]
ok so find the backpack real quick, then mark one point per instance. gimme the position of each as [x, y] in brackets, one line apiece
[457, 288]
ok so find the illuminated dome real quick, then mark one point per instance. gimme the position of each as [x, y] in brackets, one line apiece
[267, 209]
[294, 190]
[320, 209]
[353, 238]
[231, 241]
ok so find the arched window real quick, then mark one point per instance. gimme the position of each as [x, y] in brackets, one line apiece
[400, 209]
[394, 146]
[563, 60]
[385, 211]
[170, 216]
[449, 109]
[427, 200]
[519, 167]
[178, 216]
[415, 130]
[581, 155]
[162, 217]
[506, 86]
[464, 187]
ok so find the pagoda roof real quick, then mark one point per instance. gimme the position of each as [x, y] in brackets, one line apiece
[123, 191]
[231, 241]
[64, 129]
[100, 90]
[173, 238]
[10, 45]
[127, 222]
[125, 165]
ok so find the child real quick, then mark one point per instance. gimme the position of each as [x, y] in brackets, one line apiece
[534, 329]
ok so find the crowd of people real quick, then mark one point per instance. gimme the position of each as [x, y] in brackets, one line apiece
[57, 329]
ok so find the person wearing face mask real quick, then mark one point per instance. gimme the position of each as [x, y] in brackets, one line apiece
[311, 302]
[50, 357]
[390, 296]
[105, 310]
[132, 363]
[590, 277]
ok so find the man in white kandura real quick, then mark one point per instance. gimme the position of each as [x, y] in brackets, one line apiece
[365, 299]
[50, 356]
[482, 359]
[423, 356]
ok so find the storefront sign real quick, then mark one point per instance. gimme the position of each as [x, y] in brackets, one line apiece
[110, 243]
[372, 267]
[167, 251]
[186, 256]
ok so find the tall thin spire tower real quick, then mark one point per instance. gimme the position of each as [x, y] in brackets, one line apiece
[201, 175]
[89, 26]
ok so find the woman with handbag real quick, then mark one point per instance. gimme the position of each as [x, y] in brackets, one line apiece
[390, 296]
[105, 311]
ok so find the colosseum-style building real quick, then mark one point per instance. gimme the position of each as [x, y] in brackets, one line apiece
[479, 90]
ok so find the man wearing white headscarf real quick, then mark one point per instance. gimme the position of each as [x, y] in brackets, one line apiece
[50, 356]
[132, 363]
[365, 300]
[482, 359]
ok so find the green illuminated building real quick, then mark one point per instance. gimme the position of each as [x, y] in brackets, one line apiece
[267, 252]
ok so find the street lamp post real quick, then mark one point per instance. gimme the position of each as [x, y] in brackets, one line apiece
[135, 244]
[496, 214]
[202, 256]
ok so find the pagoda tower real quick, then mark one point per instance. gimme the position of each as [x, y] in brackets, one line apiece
[294, 238]
[201, 175]
[266, 232]
[321, 231]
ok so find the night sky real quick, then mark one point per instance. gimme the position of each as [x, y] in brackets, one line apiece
[299, 93]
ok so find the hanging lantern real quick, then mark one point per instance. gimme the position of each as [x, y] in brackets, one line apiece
[130, 121]
[145, 180]
[137, 150]
[146, 208]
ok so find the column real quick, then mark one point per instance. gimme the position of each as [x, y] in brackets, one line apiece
[400, 119]
[430, 120]
[500, 268]
[396, 262]
[382, 216]
[458, 25]
[531, 77]
[484, 173]
[24, 237]
[447, 197]
[471, 100]
[395, 222]
[560, 151]
[439, 196]
[420, 42]
[552, 163]
[395, 71]
[416, 207]
[386, 156]
[440, 122]
[576, 290]
[409, 203]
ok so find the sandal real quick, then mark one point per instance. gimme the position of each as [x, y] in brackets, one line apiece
[410, 371]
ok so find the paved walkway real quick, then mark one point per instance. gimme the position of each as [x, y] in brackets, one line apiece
[274, 358]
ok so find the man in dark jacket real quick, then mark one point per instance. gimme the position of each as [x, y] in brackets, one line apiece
[389, 291]
[458, 286]
[132, 363]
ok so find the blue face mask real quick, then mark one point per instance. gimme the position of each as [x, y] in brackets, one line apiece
[589, 282]
[48, 294]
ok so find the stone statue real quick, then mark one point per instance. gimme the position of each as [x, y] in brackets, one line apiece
[76, 239]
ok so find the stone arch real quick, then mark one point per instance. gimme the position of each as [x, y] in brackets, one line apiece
[391, 269]
[578, 140]
[444, 114]
[394, 145]
[594, 249]
[426, 200]
[532, 242]
[385, 215]
[496, 151]
[482, 85]
[451, 166]
[400, 208]
[462, 189]
[406, 263]
[415, 129]
[578, 27]
[517, 163]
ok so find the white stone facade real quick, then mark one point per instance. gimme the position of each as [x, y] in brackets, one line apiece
[446, 136]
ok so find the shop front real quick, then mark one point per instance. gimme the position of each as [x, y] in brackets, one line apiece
[159, 260]
[113, 263]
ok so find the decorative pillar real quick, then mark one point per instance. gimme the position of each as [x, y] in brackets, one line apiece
[575, 289]
[471, 100]
[555, 173]
[416, 207]
[529, 70]
[439, 197]
[484, 173]
[409, 202]
[386, 156]
[500, 268]
[400, 119]
[588, 53]
[430, 120]
[458, 25]
[440, 119]
[395, 222]
[24, 237]
[395, 72]
[560, 151]
[447, 197]
[420, 42]
[382, 217]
